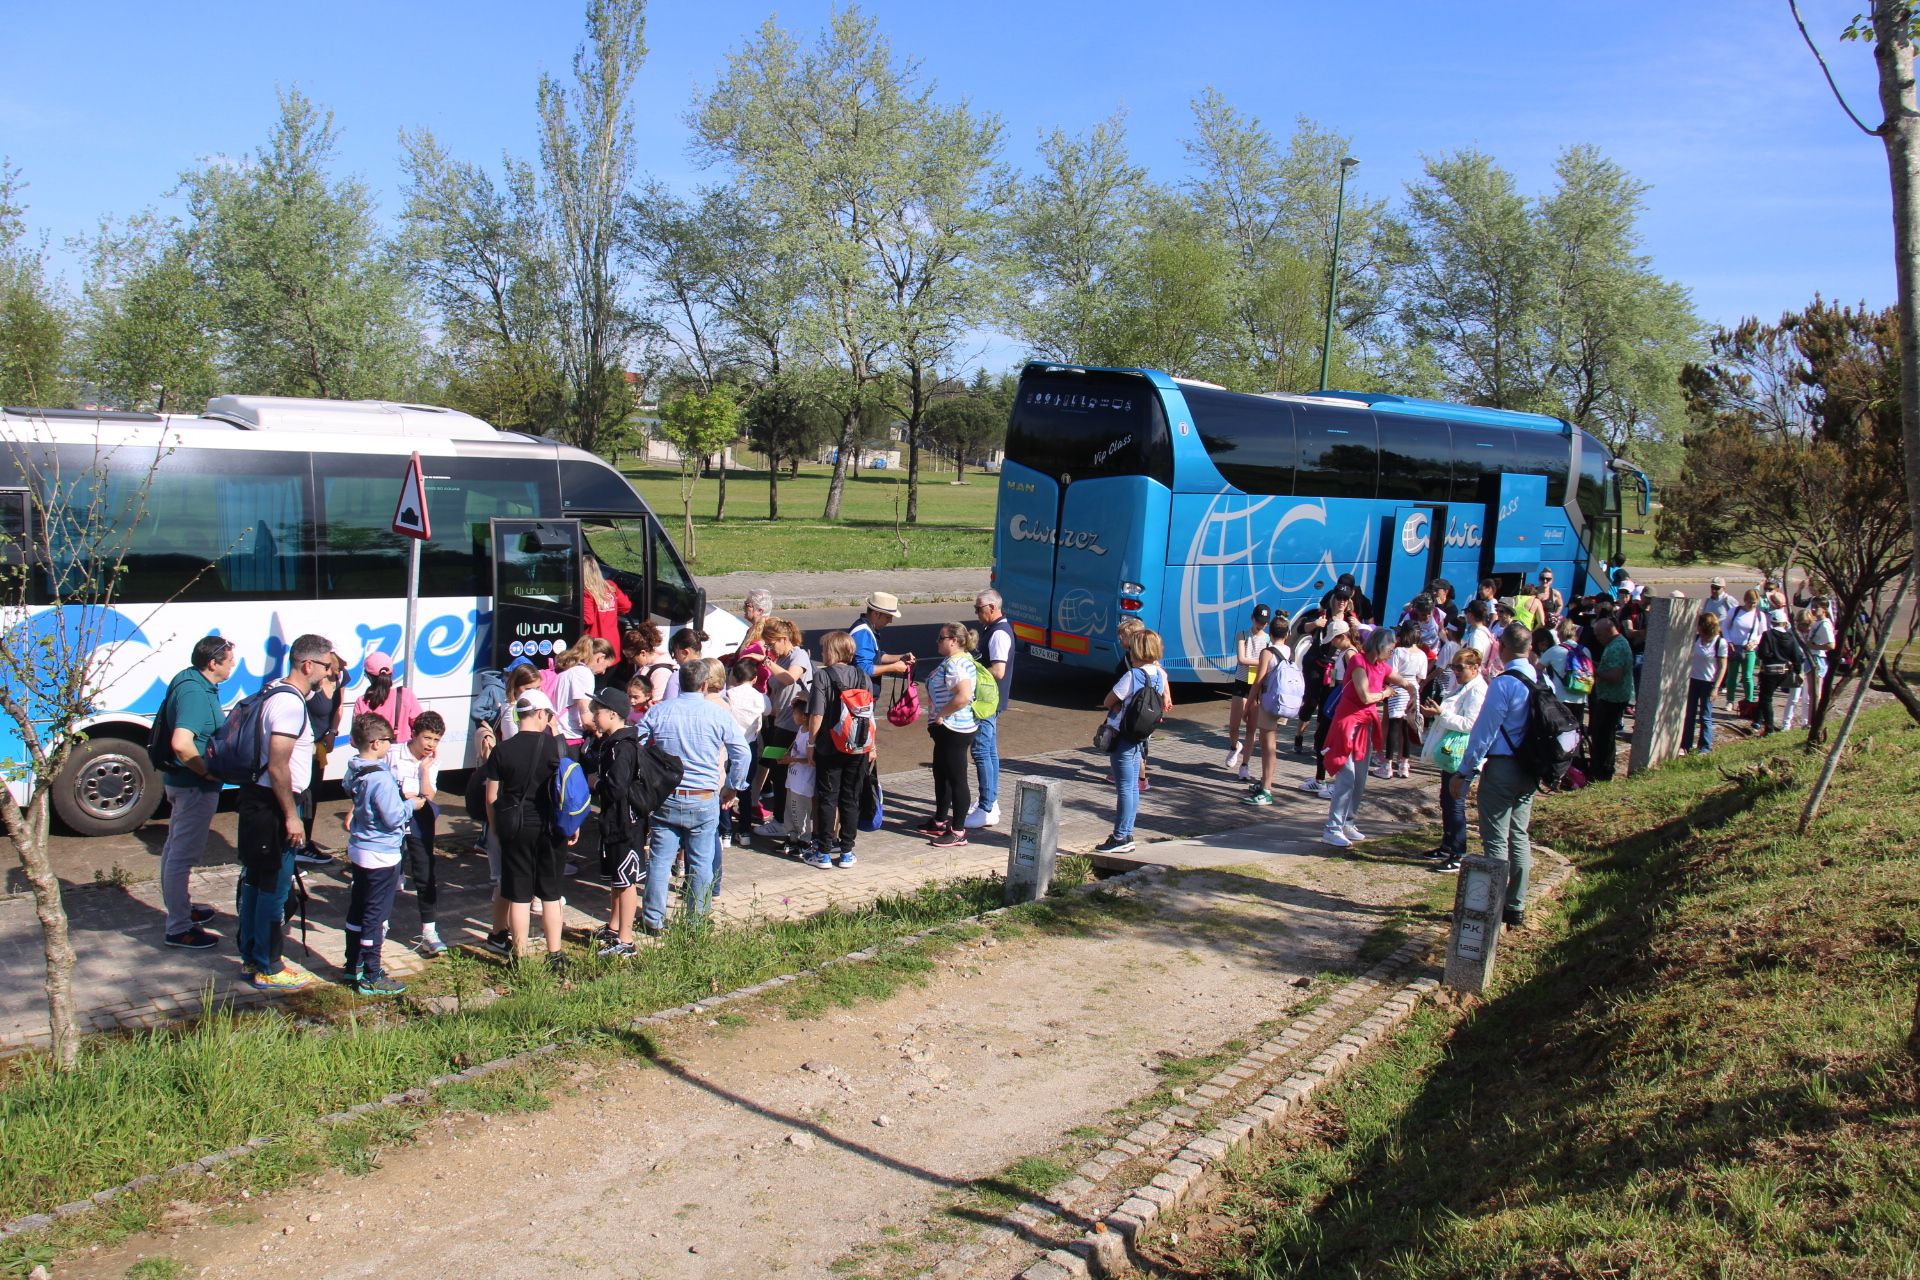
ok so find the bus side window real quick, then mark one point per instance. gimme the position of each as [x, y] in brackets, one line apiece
[14, 516]
[1416, 458]
[1480, 456]
[1339, 453]
[672, 588]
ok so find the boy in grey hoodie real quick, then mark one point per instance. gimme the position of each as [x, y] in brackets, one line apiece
[376, 832]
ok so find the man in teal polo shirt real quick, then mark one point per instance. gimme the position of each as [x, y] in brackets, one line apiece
[188, 720]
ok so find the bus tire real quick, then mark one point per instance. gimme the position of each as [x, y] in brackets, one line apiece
[107, 787]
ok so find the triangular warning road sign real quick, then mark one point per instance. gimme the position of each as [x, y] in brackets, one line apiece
[410, 513]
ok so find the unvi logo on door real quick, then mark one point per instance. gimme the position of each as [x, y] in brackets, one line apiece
[1413, 533]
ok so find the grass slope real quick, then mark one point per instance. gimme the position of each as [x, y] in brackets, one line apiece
[1697, 1068]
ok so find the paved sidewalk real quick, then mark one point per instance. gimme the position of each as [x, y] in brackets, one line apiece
[125, 977]
[816, 590]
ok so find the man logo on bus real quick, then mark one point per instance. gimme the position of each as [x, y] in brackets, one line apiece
[1413, 534]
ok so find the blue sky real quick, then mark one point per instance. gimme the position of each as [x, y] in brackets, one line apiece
[1762, 192]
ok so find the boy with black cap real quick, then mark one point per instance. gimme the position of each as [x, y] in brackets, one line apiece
[616, 755]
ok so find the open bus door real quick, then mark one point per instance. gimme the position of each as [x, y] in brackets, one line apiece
[1513, 535]
[1410, 550]
[536, 589]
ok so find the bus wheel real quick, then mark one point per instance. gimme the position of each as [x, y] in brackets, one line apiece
[107, 788]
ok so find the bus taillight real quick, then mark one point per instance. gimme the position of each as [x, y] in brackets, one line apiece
[1129, 604]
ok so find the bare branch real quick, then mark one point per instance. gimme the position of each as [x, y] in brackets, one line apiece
[1826, 71]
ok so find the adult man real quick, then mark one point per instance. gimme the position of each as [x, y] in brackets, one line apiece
[1506, 787]
[1717, 602]
[1612, 691]
[188, 719]
[997, 640]
[882, 608]
[270, 826]
[713, 760]
[1551, 601]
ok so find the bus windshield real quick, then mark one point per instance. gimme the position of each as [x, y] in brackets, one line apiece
[1077, 425]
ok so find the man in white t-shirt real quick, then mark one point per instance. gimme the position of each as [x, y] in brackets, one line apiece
[996, 638]
[270, 825]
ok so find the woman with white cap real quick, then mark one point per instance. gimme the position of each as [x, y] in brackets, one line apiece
[1778, 657]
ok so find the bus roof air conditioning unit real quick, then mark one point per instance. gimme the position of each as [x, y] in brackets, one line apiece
[348, 417]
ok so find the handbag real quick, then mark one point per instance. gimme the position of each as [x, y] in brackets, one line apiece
[873, 802]
[905, 708]
[1106, 737]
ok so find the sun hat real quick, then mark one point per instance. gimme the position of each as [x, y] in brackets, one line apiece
[1716, 582]
[884, 602]
[531, 701]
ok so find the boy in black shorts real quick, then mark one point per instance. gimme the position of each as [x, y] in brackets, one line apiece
[622, 832]
[520, 808]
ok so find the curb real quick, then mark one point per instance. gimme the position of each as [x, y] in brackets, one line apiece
[424, 1092]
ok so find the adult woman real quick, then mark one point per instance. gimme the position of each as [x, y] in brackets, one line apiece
[789, 676]
[1452, 721]
[603, 603]
[1144, 650]
[579, 670]
[1780, 663]
[1709, 655]
[1743, 629]
[1355, 732]
[951, 725]
[838, 776]
[398, 706]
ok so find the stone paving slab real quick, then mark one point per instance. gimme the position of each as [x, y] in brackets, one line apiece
[126, 977]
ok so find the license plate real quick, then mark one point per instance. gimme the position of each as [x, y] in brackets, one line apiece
[1045, 655]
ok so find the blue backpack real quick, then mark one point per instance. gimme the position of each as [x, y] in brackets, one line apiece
[572, 798]
[237, 752]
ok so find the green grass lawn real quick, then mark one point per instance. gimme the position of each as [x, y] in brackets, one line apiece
[955, 529]
[1698, 1067]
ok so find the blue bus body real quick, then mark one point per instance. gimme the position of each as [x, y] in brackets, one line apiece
[1126, 491]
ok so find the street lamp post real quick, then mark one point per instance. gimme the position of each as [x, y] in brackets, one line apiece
[1333, 270]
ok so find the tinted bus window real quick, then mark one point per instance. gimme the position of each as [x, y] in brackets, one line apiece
[14, 506]
[1479, 451]
[1592, 493]
[362, 558]
[587, 487]
[1083, 425]
[1541, 453]
[215, 524]
[1416, 458]
[1339, 453]
[1250, 438]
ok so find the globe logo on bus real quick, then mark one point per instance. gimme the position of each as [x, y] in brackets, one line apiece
[1413, 534]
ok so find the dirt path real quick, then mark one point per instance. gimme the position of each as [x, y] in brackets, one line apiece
[778, 1145]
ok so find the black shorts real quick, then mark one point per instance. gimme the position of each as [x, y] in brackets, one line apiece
[531, 867]
[1241, 688]
[620, 868]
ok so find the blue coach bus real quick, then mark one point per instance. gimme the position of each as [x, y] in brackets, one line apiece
[1128, 491]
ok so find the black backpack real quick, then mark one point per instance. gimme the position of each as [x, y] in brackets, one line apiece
[1140, 715]
[656, 775]
[1552, 738]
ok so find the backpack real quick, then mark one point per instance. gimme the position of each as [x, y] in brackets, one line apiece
[851, 729]
[1140, 715]
[1552, 737]
[673, 680]
[1579, 669]
[656, 774]
[237, 751]
[986, 692]
[572, 798]
[905, 708]
[1285, 687]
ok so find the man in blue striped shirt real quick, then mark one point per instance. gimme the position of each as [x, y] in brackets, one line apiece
[1506, 786]
[713, 762]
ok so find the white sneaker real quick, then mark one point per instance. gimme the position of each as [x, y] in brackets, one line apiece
[1352, 833]
[1246, 773]
[1405, 769]
[771, 830]
[1233, 757]
[983, 817]
[1324, 790]
[1336, 838]
[1311, 787]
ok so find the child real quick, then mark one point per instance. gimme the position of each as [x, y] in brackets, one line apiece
[640, 694]
[415, 767]
[1248, 645]
[375, 832]
[1410, 664]
[1267, 722]
[622, 832]
[1276, 634]
[1122, 632]
[748, 706]
[396, 707]
[799, 818]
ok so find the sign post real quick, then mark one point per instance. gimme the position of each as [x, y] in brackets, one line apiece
[1036, 836]
[410, 522]
[1478, 906]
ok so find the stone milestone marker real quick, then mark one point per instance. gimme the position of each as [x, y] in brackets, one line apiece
[1660, 701]
[1478, 902]
[1036, 834]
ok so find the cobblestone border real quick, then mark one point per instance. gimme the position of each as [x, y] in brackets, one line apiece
[423, 1092]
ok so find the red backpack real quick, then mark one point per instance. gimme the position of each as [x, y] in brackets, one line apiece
[850, 729]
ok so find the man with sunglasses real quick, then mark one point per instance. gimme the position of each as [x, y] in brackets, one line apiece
[271, 830]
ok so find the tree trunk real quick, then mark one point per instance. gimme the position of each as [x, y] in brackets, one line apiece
[720, 508]
[913, 467]
[773, 487]
[1900, 132]
[1896, 684]
[28, 831]
[838, 485]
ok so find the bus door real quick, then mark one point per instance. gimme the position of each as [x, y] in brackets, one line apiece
[1028, 512]
[1514, 533]
[536, 589]
[1410, 551]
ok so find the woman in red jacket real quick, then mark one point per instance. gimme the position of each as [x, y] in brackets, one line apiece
[603, 603]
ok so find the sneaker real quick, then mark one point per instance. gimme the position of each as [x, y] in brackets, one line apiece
[430, 946]
[200, 913]
[1381, 771]
[1114, 844]
[1311, 787]
[500, 944]
[1233, 757]
[616, 948]
[987, 817]
[1260, 797]
[193, 939]
[1436, 855]
[1351, 832]
[557, 963]
[795, 849]
[1335, 837]
[956, 839]
[1145, 784]
[603, 935]
[1324, 790]
[290, 978]
[380, 986]
[771, 830]
[312, 855]
[1406, 769]
[846, 860]
[1447, 864]
[931, 829]
[1299, 747]
[1246, 773]
[1514, 919]
[651, 930]
[817, 858]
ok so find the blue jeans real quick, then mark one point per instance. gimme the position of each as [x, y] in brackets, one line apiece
[684, 823]
[1453, 818]
[1699, 713]
[262, 910]
[1126, 784]
[1349, 789]
[986, 760]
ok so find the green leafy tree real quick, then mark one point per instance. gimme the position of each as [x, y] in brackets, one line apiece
[311, 302]
[969, 425]
[33, 324]
[1172, 297]
[696, 425]
[149, 333]
[788, 420]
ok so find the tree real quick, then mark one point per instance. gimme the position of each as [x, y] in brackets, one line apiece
[150, 334]
[33, 325]
[586, 158]
[697, 425]
[1171, 295]
[969, 425]
[787, 420]
[56, 651]
[311, 303]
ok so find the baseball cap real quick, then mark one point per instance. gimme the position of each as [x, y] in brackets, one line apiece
[1337, 628]
[379, 664]
[531, 701]
[1261, 613]
[614, 700]
[1778, 617]
[1717, 582]
[884, 602]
